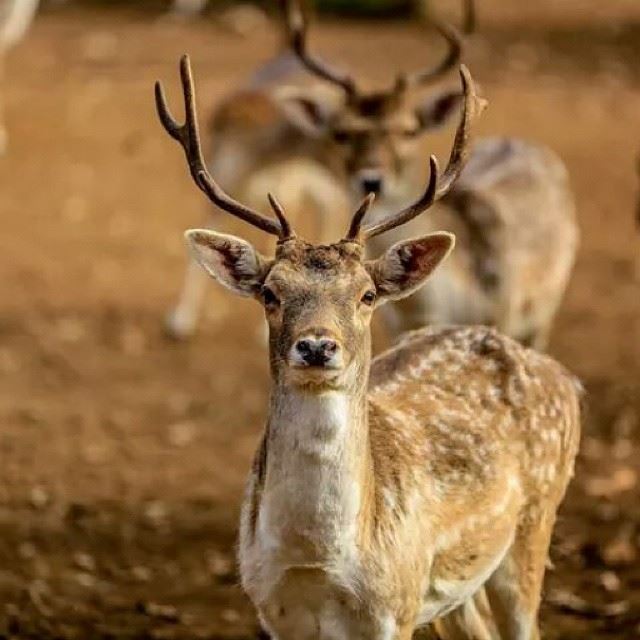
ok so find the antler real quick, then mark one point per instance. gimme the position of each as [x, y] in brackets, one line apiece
[436, 188]
[452, 59]
[297, 27]
[470, 18]
[188, 135]
[454, 54]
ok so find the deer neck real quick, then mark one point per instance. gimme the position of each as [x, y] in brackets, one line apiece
[317, 473]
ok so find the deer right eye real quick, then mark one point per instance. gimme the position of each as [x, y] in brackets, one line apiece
[341, 137]
[269, 298]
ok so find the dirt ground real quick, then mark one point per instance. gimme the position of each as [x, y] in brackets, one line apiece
[122, 454]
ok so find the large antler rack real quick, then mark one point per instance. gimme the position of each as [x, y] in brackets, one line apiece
[452, 57]
[436, 188]
[188, 135]
[297, 29]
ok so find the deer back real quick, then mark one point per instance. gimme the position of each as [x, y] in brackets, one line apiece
[513, 215]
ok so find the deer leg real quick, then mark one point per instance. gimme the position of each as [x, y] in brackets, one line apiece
[515, 587]
[470, 621]
[404, 632]
[181, 321]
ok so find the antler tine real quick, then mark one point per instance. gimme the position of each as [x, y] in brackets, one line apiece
[412, 211]
[454, 54]
[473, 106]
[188, 135]
[278, 209]
[457, 159]
[297, 30]
[354, 228]
[470, 19]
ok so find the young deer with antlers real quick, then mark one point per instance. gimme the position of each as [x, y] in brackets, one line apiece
[512, 210]
[418, 488]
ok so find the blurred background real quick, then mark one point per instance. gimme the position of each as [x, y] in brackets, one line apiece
[123, 454]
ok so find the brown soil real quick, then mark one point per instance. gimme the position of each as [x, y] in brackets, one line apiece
[123, 454]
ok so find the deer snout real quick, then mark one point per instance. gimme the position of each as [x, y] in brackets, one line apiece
[316, 351]
[370, 181]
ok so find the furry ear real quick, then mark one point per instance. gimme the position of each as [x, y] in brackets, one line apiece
[308, 113]
[405, 266]
[233, 262]
[436, 110]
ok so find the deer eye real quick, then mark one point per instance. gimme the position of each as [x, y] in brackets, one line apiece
[410, 133]
[269, 298]
[340, 136]
[368, 298]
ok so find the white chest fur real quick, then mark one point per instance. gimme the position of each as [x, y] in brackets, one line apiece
[304, 575]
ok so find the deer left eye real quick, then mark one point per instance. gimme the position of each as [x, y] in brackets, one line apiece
[341, 137]
[368, 298]
[269, 297]
[410, 133]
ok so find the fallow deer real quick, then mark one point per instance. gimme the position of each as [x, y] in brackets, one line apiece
[15, 18]
[420, 487]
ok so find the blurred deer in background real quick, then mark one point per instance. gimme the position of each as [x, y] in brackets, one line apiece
[420, 487]
[15, 18]
[512, 210]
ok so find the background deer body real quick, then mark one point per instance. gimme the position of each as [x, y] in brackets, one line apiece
[418, 488]
[512, 209]
[512, 212]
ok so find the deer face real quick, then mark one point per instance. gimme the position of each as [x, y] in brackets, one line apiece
[374, 135]
[319, 300]
[374, 140]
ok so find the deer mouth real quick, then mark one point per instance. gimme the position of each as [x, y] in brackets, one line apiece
[315, 375]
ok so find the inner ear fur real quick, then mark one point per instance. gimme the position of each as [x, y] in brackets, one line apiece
[308, 111]
[436, 110]
[405, 266]
[233, 262]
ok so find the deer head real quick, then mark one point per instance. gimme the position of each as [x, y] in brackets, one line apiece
[318, 300]
[373, 137]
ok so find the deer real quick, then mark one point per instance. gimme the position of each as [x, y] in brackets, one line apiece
[15, 19]
[416, 488]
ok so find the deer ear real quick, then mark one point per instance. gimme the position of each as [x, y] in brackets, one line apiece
[405, 266]
[233, 262]
[308, 113]
[436, 110]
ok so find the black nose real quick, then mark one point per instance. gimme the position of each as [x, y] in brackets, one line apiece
[316, 352]
[372, 185]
